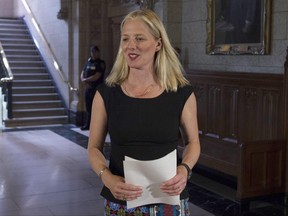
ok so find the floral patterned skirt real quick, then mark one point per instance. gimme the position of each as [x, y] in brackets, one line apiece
[115, 209]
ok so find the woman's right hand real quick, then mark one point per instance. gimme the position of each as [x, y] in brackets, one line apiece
[120, 189]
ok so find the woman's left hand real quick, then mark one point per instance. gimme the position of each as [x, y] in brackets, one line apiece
[175, 185]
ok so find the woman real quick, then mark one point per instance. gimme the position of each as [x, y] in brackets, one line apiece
[145, 100]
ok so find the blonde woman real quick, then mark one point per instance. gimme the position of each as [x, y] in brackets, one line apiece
[144, 102]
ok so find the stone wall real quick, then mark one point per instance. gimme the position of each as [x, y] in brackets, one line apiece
[186, 25]
[6, 8]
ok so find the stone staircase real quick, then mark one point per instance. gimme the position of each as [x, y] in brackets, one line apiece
[35, 98]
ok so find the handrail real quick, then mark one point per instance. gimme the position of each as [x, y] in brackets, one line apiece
[7, 87]
[55, 62]
[9, 77]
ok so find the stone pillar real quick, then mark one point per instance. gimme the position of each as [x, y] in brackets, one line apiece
[89, 25]
[78, 53]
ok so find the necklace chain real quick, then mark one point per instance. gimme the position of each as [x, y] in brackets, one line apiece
[145, 92]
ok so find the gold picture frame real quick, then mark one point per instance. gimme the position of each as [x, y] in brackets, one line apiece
[238, 27]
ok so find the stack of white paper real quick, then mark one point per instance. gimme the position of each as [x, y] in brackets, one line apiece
[150, 175]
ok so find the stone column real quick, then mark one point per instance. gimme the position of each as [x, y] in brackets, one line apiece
[79, 23]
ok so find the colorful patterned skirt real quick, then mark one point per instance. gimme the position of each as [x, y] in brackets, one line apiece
[115, 209]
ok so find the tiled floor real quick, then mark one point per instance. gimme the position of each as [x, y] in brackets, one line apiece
[45, 171]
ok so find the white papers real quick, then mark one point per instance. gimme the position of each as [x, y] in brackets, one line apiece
[150, 175]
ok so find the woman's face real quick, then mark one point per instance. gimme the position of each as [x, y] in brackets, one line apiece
[139, 45]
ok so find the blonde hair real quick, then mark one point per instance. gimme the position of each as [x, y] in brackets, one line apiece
[167, 66]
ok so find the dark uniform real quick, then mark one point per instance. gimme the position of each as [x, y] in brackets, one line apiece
[91, 68]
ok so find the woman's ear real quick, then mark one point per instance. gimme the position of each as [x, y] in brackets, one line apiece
[159, 44]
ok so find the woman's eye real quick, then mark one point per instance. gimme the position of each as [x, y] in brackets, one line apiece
[139, 39]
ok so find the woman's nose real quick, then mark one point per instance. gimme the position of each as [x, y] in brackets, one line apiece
[131, 44]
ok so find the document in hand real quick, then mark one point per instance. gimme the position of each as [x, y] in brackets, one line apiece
[150, 175]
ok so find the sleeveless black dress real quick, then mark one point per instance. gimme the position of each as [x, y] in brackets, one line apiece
[141, 128]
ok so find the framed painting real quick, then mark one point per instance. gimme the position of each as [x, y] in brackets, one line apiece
[238, 27]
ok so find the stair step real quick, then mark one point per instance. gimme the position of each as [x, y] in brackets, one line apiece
[34, 83]
[32, 121]
[21, 42]
[37, 104]
[31, 76]
[11, 52]
[35, 97]
[20, 113]
[28, 47]
[28, 69]
[11, 20]
[5, 35]
[21, 64]
[12, 25]
[14, 32]
[25, 58]
[31, 90]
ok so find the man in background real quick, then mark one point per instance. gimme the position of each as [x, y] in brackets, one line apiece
[92, 75]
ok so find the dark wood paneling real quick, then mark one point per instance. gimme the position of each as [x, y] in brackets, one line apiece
[230, 113]
[262, 168]
[285, 116]
[240, 106]
[213, 123]
[241, 128]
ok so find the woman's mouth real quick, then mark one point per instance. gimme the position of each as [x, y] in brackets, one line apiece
[133, 56]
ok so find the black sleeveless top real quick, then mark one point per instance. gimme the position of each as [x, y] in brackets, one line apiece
[141, 128]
